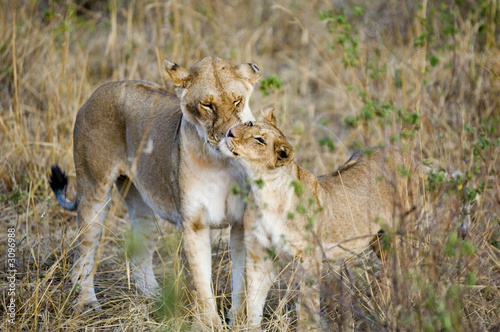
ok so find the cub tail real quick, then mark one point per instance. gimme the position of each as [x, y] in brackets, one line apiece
[59, 182]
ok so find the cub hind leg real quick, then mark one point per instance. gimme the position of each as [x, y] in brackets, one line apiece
[143, 236]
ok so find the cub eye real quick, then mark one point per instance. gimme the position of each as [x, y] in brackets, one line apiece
[208, 107]
[260, 140]
[249, 124]
[237, 102]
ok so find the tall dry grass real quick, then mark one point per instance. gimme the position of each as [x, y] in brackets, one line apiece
[341, 75]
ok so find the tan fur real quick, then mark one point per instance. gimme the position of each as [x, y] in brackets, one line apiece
[161, 151]
[345, 208]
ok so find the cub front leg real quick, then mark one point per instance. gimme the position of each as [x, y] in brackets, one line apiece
[260, 278]
[198, 254]
[308, 306]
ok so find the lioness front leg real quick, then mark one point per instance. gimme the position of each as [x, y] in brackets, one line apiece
[237, 249]
[198, 254]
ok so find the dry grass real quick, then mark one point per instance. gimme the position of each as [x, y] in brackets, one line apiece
[435, 68]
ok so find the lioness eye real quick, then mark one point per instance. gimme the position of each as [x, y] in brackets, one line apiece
[237, 102]
[208, 107]
[260, 140]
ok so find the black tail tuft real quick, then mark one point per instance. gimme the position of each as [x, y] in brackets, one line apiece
[58, 182]
[58, 179]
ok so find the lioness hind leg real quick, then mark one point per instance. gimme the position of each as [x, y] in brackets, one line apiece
[143, 236]
[92, 209]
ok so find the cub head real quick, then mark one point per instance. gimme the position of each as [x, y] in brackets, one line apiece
[258, 145]
[213, 94]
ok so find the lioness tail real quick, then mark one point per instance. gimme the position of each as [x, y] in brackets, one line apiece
[58, 182]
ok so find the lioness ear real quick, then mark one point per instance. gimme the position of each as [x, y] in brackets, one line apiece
[268, 115]
[248, 71]
[284, 153]
[173, 72]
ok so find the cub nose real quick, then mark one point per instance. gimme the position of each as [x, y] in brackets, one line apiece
[230, 133]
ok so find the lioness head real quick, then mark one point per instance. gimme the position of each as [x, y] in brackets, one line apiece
[214, 95]
[258, 145]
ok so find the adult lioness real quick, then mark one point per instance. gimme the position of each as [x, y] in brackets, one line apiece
[306, 216]
[161, 151]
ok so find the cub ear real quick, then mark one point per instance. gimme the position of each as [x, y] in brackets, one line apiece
[268, 115]
[248, 71]
[284, 153]
[175, 73]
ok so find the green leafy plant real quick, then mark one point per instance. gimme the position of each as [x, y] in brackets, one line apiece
[270, 84]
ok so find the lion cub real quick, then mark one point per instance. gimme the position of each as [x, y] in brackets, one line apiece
[295, 212]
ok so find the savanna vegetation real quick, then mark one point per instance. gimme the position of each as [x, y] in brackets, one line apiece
[342, 75]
